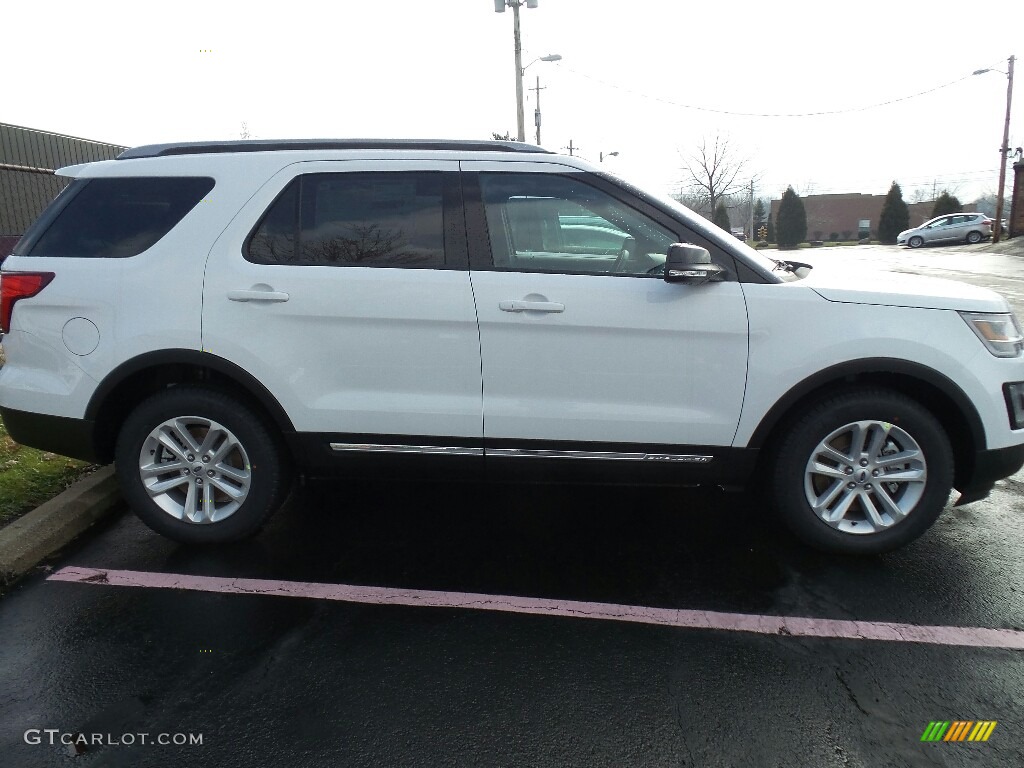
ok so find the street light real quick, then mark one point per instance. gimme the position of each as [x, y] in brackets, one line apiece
[602, 155]
[1004, 150]
[536, 111]
[499, 7]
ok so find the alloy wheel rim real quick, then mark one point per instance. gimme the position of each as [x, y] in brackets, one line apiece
[865, 477]
[195, 469]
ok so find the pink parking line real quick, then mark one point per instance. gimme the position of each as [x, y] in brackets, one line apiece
[795, 626]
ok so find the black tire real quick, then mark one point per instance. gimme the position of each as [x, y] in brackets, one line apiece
[916, 241]
[251, 453]
[896, 422]
[974, 237]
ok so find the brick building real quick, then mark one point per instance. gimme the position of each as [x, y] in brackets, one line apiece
[846, 215]
[28, 159]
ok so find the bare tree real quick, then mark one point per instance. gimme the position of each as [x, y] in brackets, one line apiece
[926, 194]
[714, 171]
[921, 195]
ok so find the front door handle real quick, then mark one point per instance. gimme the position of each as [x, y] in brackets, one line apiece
[531, 306]
[257, 294]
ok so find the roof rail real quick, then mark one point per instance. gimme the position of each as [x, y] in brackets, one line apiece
[216, 147]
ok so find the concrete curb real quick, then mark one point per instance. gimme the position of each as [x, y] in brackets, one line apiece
[55, 523]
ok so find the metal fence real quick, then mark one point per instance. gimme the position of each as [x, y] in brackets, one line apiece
[28, 159]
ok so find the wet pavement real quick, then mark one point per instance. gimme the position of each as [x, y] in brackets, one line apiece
[284, 680]
[298, 681]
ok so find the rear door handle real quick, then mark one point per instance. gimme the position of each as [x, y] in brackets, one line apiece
[255, 294]
[531, 306]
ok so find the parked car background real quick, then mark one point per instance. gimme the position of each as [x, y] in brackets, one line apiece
[952, 228]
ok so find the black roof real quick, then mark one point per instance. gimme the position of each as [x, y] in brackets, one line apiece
[211, 147]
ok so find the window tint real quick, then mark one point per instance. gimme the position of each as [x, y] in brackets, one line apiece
[355, 219]
[560, 223]
[117, 218]
[275, 238]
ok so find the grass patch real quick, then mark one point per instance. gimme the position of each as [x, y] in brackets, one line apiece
[29, 477]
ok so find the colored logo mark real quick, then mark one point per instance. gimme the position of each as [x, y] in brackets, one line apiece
[958, 730]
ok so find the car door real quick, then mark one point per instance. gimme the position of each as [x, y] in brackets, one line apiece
[343, 287]
[587, 352]
[958, 227]
[939, 231]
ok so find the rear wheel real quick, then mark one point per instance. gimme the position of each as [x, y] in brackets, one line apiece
[864, 471]
[916, 241]
[199, 467]
[974, 237]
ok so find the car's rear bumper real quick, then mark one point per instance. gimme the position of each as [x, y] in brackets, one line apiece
[57, 434]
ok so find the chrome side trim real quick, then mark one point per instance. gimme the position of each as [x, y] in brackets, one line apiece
[456, 450]
[608, 455]
[441, 450]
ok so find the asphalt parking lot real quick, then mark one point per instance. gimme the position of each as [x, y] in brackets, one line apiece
[467, 624]
[269, 680]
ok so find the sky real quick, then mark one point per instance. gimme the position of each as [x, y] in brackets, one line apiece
[649, 79]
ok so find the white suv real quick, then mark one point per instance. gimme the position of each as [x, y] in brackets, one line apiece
[213, 316]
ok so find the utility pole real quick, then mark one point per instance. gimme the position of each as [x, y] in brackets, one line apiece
[536, 111]
[571, 148]
[520, 121]
[499, 7]
[1004, 150]
[750, 219]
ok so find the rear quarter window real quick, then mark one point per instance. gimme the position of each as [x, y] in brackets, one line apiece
[114, 218]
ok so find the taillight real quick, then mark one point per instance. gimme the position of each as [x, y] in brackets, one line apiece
[18, 285]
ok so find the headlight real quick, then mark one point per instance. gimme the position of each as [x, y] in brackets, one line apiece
[999, 332]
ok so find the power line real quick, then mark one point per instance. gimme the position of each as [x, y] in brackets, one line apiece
[698, 108]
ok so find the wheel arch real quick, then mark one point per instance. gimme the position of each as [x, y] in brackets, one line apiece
[933, 390]
[135, 379]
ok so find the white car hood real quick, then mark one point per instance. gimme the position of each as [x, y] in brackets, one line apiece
[894, 289]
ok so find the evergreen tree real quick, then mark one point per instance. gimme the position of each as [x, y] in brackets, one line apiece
[791, 224]
[895, 216]
[946, 204]
[758, 214]
[721, 217]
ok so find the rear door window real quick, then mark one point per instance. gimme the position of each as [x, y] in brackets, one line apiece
[114, 217]
[387, 219]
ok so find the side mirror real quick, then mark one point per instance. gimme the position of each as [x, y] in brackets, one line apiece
[691, 264]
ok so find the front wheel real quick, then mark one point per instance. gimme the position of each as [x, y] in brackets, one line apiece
[864, 471]
[916, 241]
[199, 467]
